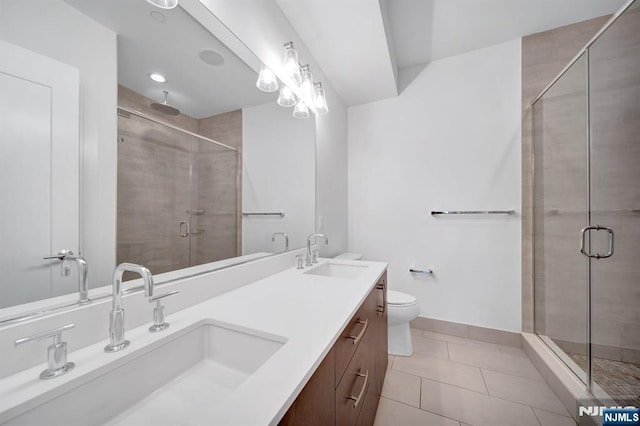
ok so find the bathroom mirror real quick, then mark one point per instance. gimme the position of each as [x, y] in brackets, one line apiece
[205, 173]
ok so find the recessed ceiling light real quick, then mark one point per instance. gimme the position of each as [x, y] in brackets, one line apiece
[158, 78]
[158, 17]
[211, 57]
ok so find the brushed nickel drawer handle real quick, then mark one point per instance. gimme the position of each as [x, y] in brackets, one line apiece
[357, 338]
[358, 398]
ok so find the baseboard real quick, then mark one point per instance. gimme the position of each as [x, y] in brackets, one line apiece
[484, 334]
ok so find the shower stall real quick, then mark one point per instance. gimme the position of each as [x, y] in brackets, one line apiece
[586, 136]
[178, 202]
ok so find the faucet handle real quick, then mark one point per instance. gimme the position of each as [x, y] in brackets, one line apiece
[57, 364]
[159, 323]
[300, 261]
[60, 256]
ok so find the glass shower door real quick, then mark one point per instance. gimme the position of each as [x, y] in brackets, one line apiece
[154, 169]
[614, 92]
[560, 212]
[214, 203]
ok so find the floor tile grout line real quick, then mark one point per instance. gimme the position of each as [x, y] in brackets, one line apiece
[448, 354]
[484, 381]
[552, 412]
[504, 372]
[398, 401]
[536, 416]
[465, 338]
[420, 407]
[438, 381]
[479, 366]
[489, 395]
[460, 421]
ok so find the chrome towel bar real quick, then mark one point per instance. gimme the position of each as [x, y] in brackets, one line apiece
[281, 214]
[507, 212]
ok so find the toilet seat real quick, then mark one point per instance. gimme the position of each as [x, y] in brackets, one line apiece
[396, 298]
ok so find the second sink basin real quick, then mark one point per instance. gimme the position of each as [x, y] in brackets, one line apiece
[338, 270]
[183, 379]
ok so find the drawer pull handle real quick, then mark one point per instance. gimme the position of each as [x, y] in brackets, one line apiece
[356, 399]
[357, 338]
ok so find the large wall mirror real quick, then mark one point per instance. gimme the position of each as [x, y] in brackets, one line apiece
[193, 166]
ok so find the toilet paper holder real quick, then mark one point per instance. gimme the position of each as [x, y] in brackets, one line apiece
[421, 271]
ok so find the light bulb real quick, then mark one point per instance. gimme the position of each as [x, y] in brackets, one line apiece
[320, 100]
[267, 81]
[290, 63]
[301, 111]
[164, 4]
[286, 98]
[307, 83]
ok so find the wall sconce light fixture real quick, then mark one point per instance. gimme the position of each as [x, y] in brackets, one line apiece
[311, 95]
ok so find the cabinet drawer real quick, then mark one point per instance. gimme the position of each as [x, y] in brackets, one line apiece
[352, 336]
[352, 390]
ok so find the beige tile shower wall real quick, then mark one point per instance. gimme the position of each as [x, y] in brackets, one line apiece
[227, 129]
[543, 57]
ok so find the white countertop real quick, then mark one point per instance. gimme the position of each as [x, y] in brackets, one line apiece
[308, 310]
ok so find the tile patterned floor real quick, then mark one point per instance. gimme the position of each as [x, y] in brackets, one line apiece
[453, 381]
[621, 380]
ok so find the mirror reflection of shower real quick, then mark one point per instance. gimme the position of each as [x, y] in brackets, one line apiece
[178, 192]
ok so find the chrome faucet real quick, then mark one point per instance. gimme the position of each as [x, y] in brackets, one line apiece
[116, 317]
[83, 285]
[286, 239]
[326, 241]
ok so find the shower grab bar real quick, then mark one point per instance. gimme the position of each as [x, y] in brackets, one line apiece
[507, 212]
[281, 214]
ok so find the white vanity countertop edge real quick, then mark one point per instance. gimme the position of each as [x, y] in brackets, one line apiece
[308, 310]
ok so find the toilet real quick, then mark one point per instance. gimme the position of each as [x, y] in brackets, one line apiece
[402, 308]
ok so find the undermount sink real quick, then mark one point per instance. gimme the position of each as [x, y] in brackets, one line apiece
[194, 372]
[337, 270]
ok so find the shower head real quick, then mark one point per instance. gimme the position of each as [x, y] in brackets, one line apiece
[164, 107]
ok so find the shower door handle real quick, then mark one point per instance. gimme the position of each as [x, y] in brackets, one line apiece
[184, 229]
[609, 253]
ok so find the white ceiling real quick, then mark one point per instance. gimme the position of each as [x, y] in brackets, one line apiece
[171, 48]
[345, 36]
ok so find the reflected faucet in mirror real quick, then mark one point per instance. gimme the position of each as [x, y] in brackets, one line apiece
[326, 241]
[116, 317]
[286, 239]
[83, 285]
[211, 157]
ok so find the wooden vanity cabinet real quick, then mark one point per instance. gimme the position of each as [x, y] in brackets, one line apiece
[345, 389]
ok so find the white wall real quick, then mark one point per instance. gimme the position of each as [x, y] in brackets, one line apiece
[263, 28]
[332, 178]
[450, 141]
[55, 29]
[278, 174]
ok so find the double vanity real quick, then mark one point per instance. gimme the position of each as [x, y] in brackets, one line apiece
[283, 348]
